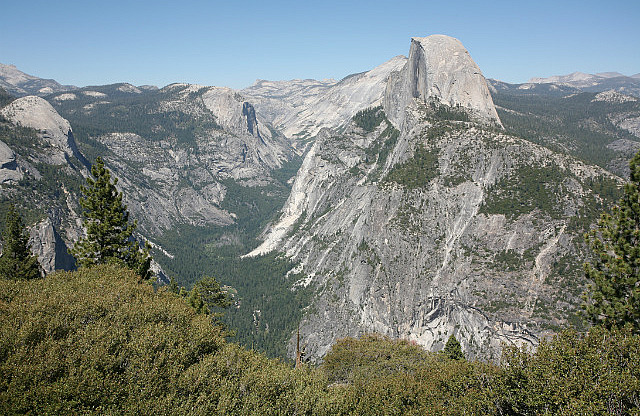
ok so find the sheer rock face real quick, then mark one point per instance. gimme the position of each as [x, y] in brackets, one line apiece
[9, 170]
[55, 148]
[422, 227]
[167, 182]
[238, 117]
[49, 247]
[439, 69]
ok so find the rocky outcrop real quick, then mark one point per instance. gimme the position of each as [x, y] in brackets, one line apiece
[38, 114]
[172, 176]
[49, 247]
[9, 172]
[440, 70]
[445, 257]
[423, 227]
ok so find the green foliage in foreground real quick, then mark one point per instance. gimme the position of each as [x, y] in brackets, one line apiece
[97, 341]
[16, 260]
[593, 374]
[109, 232]
[614, 298]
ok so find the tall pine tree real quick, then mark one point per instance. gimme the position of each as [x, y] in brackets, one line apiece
[614, 295]
[109, 232]
[16, 261]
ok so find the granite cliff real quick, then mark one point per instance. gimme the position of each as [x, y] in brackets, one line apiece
[175, 149]
[431, 220]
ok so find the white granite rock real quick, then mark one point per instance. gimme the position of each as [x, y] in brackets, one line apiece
[37, 113]
[9, 171]
[439, 69]
[301, 108]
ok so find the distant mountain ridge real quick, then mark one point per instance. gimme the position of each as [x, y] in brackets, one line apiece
[595, 82]
[301, 108]
[19, 84]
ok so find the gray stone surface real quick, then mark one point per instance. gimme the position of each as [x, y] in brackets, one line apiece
[439, 69]
[166, 183]
[17, 83]
[9, 172]
[301, 108]
[417, 264]
[37, 113]
[49, 247]
[422, 264]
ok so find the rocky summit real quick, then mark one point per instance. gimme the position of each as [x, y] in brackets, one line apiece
[440, 70]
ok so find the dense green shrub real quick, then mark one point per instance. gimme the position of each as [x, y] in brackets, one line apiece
[98, 341]
[417, 171]
[587, 374]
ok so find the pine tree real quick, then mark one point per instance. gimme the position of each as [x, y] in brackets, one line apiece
[16, 261]
[109, 232]
[196, 302]
[453, 349]
[212, 294]
[206, 296]
[613, 300]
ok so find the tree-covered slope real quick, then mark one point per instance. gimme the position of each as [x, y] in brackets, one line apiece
[598, 128]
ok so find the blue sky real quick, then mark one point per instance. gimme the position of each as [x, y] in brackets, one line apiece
[234, 43]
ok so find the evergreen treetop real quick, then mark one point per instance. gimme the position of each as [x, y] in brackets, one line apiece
[109, 236]
[614, 294]
[17, 261]
[453, 349]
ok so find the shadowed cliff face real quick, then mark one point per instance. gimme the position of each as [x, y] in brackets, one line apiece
[252, 124]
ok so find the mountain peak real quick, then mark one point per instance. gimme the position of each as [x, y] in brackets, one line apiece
[440, 68]
[19, 84]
